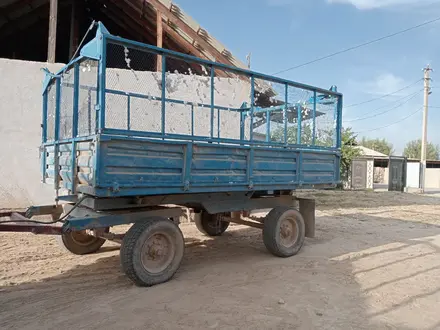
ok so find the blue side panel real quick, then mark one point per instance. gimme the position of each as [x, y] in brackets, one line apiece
[275, 166]
[140, 164]
[60, 156]
[152, 167]
[318, 168]
[218, 165]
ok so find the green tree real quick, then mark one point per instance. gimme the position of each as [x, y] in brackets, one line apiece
[323, 137]
[413, 149]
[348, 152]
[379, 145]
[277, 135]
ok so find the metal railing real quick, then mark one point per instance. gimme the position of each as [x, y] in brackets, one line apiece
[122, 87]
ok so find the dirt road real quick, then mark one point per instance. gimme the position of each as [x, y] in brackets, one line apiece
[374, 264]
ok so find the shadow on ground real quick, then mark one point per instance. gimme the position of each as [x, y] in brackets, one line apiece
[371, 274]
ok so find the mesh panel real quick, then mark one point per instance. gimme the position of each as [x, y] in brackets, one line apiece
[134, 101]
[189, 83]
[325, 120]
[269, 103]
[133, 72]
[300, 102]
[269, 100]
[231, 91]
[145, 115]
[51, 104]
[66, 104]
[88, 75]
[178, 119]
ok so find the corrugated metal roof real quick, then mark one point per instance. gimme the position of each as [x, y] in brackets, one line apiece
[370, 152]
[203, 33]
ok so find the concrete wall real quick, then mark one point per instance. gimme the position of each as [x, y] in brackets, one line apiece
[21, 108]
[432, 178]
[413, 175]
[20, 134]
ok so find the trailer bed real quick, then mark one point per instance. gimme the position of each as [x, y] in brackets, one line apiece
[145, 167]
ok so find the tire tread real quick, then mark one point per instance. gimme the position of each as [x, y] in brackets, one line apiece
[127, 252]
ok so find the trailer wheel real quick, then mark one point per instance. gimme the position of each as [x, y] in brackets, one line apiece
[151, 251]
[283, 231]
[211, 224]
[78, 242]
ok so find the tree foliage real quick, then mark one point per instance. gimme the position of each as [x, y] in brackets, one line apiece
[348, 152]
[379, 145]
[323, 137]
[413, 149]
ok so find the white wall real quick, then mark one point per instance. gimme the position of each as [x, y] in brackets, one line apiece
[412, 175]
[432, 178]
[20, 134]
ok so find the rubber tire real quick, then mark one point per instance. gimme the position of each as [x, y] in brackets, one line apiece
[203, 224]
[68, 243]
[131, 250]
[271, 231]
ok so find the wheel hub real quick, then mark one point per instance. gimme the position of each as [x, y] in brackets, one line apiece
[82, 238]
[288, 232]
[157, 252]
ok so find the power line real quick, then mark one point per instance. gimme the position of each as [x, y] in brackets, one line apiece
[383, 96]
[360, 45]
[396, 122]
[411, 96]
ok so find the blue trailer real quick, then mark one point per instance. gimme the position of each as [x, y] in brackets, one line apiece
[132, 134]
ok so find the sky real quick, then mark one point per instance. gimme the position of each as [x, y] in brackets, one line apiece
[281, 34]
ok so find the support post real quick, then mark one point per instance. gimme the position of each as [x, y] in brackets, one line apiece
[286, 101]
[159, 32]
[314, 119]
[299, 123]
[251, 133]
[427, 91]
[212, 100]
[53, 19]
[307, 210]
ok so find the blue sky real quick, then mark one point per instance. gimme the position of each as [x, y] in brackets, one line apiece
[284, 33]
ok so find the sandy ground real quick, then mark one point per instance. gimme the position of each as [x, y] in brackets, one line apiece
[374, 264]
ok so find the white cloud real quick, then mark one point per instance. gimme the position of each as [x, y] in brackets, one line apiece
[385, 84]
[374, 4]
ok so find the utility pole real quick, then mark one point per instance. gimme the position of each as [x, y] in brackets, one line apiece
[427, 91]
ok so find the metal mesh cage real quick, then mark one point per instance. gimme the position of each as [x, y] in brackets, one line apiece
[188, 98]
[300, 101]
[66, 104]
[179, 97]
[88, 75]
[231, 92]
[51, 106]
[269, 102]
[133, 89]
[325, 122]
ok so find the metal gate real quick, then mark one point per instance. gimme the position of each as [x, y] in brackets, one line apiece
[359, 174]
[397, 173]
